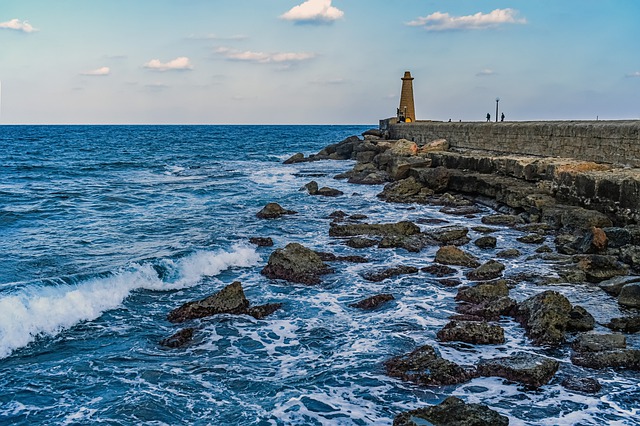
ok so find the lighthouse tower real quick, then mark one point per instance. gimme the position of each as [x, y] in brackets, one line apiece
[407, 110]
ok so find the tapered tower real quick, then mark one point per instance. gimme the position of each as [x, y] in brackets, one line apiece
[407, 110]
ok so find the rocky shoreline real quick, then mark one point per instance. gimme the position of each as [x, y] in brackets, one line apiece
[580, 215]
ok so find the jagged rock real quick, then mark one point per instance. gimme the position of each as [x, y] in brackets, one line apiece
[625, 324]
[580, 320]
[330, 257]
[452, 255]
[488, 310]
[425, 367]
[483, 292]
[532, 239]
[580, 218]
[484, 229]
[618, 359]
[273, 211]
[487, 271]
[618, 237]
[261, 241]
[373, 302]
[631, 256]
[229, 300]
[450, 282]
[477, 333]
[337, 214]
[436, 145]
[630, 295]
[581, 384]
[295, 263]
[544, 249]
[179, 339]
[360, 242]
[405, 191]
[592, 241]
[436, 179]
[358, 216]
[380, 275]
[376, 177]
[508, 253]
[412, 243]
[599, 268]
[545, 317]
[262, 311]
[461, 210]
[613, 286]
[529, 369]
[373, 132]
[591, 342]
[486, 242]
[311, 187]
[452, 412]
[403, 228]
[439, 270]
[295, 158]
[329, 192]
[502, 219]
[450, 235]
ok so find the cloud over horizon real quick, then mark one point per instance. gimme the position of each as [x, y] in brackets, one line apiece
[17, 25]
[313, 12]
[262, 57]
[179, 64]
[485, 72]
[439, 21]
[102, 71]
[634, 74]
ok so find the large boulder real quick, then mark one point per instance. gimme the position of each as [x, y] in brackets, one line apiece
[405, 191]
[483, 292]
[545, 317]
[529, 369]
[592, 342]
[450, 235]
[273, 211]
[452, 412]
[403, 228]
[502, 219]
[487, 271]
[630, 295]
[580, 320]
[617, 359]
[425, 367]
[229, 300]
[486, 242]
[452, 255]
[489, 310]
[295, 263]
[599, 268]
[473, 332]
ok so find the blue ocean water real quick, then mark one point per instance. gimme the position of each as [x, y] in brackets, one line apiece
[105, 229]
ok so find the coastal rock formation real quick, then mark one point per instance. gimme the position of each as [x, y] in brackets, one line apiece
[618, 359]
[261, 241]
[179, 339]
[452, 255]
[452, 411]
[487, 271]
[399, 229]
[297, 264]
[273, 211]
[630, 295]
[486, 242]
[473, 332]
[529, 369]
[383, 274]
[361, 242]
[438, 270]
[483, 292]
[545, 317]
[581, 384]
[625, 324]
[373, 302]
[406, 191]
[424, 366]
[450, 235]
[599, 342]
[486, 301]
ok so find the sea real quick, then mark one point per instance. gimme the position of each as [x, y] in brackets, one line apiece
[105, 229]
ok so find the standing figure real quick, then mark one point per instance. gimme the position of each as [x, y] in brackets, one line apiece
[488, 117]
[502, 117]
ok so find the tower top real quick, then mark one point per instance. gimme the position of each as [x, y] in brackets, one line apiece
[407, 76]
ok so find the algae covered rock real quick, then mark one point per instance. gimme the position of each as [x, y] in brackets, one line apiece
[394, 271]
[297, 264]
[487, 271]
[179, 339]
[273, 211]
[545, 317]
[529, 369]
[404, 228]
[452, 412]
[473, 332]
[452, 255]
[630, 295]
[229, 300]
[373, 302]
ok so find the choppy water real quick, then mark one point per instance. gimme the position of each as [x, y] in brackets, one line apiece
[105, 229]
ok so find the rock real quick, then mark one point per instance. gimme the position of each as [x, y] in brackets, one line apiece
[631, 256]
[625, 324]
[261, 242]
[380, 275]
[580, 320]
[295, 158]
[529, 369]
[599, 268]
[487, 271]
[360, 242]
[591, 342]
[439, 270]
[452, 255]
[508, 253]
[295, 263]
[617, 359]
[476, 333]
[436, 179]
[450, 282]
[545, 317]
[311, 187]
[376, 177]
[488, 310]
[592, 241]
[405, 191]
[502, 219]
[374, 132]
[229, 300]
[484, 229]
[486, 242]
[450, 235]
[180, 339]
[358, 216]
[424, 366]
[483, 292]
[618, 237]
[532, 239]
[329, 192]
[613, 286]
[581, 384]
[452, 412]
[544, 249]
[330, 257]
[630, 295]
[262, 311]
[403, 228]
[404, 148]
[580, 218]
[337, 214]
[412, 243]
[373, 302]
[273, 211]
[461, 210]
[436, 145]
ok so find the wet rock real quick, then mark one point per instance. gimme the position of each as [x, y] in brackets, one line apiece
[424, 366]
[630, 295]
[262, 311]
[180, 339]
[580, 218]
[452, 412]
[580, 320]
[593, 240]
[592, 342]
[487, 271]
[545, 317]
[439, 270]
[311, 187]
[295, 263]
[373, 132]
[373, 302]
[330, 257]
[376, 177]
[329, 192]
[461, 210]
[380, 275]
[337, 214]
[485, 229]
[261, 241]
[358, 216]
[631, 256]
[532, 239]
[502, 219]
[412, 243]
[273, 211]
[477, 333]
[529, 369]
[489, 310]
[618, 359]
[295, 158]
[613, 286]
[405, 191]
[508, 253]
[404, 228]
[450, 282]
[618, 237]
[599, 268]
[483, 292]
[452, 255]
[360, 242]
[486, 242]
[625, 324]
[436, 179]
[229, 300]
[450, 235]
[581, 384]
[544, 249]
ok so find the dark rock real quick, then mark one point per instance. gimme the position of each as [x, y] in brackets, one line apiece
[450, 235]
[229, 300]
[502, 219]
[273, 211]
[261, 241]
[477, 333]
[329, 192]
[180, 339]
[581, 384]
[262, 311]
[461, 210]
[425, 367]
[544, 249]
[489, 310]
[373, 302]
[484, 229]
[452, 412]
[412, 243]
[337, 214]
[380, 275]
[591, 342]
[330, 257]
[358, 216]
[532, 239]
[630, 295]
[529, 369]
[360, 242]
[580, 218]
[311, 187]
[436, 178]
[631, 256]
[295, 263]
[404, 228]
[599, 268]
[592, 241]
[617, 359]
[374, 132]
[452, 255]
[625, 324]
[487, 271]
[613, 286]
[486, 242]
[618, 237]
[405, 191]
[483, 292]
[450, 282]
[545, 317]
[439, 270]
[296, 158]
[508, 253]
[580, 320]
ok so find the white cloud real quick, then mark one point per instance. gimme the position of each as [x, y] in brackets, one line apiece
[313, 11]
[16, 24]
[262, 57]
[439, 21]
[179, 64]
[634, 74]
[102, 71]
[238, 37]
[485, 72]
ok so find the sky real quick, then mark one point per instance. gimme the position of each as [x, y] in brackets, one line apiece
[315, 61]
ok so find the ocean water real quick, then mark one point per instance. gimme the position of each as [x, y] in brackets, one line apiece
[105, 229]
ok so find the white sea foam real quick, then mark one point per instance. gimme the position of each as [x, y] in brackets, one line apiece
[45, 311]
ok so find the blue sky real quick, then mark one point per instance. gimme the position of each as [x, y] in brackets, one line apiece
[316, 61]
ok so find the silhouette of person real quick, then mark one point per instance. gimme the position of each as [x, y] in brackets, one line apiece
[488, 117]
[502, 117]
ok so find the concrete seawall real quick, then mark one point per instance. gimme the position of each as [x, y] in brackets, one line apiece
[614, 142]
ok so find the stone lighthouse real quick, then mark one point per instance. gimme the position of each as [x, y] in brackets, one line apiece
[407, 110]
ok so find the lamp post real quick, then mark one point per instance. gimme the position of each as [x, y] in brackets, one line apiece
[497, 102]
